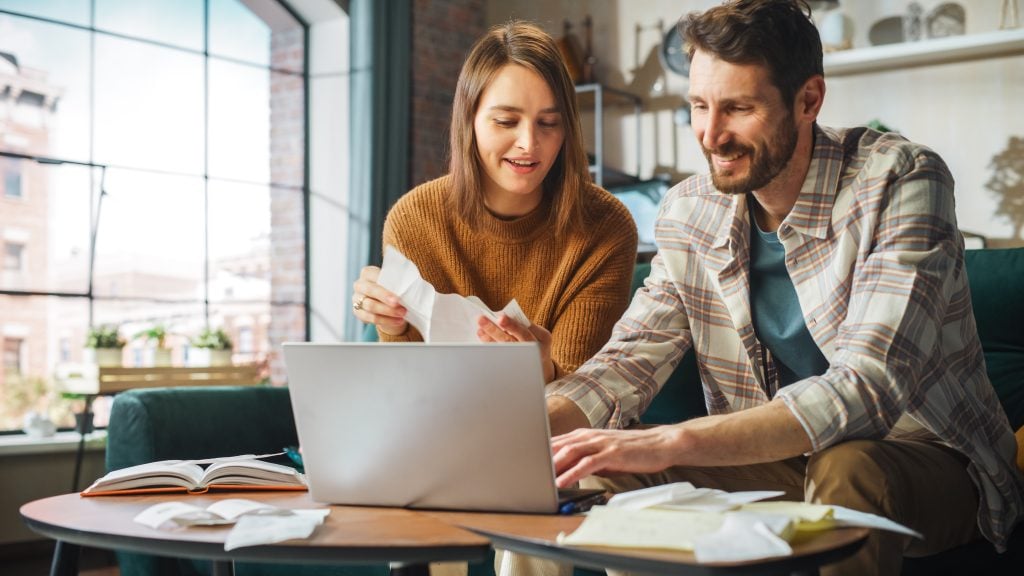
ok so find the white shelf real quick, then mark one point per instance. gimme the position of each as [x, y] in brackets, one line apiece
[925, 52]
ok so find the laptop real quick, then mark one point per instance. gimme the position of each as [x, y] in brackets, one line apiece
[440, 426]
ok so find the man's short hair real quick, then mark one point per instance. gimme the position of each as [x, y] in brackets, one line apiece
[777, 34]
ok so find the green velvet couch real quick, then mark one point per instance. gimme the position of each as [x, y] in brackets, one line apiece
[157, 424]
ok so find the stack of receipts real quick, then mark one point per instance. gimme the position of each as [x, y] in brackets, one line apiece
[438, 317]
[255, 523]
[716, 526]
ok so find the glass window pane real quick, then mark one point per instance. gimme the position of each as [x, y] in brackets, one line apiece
[149, 106]
[44, 88]
[72, 11]
[44, 234]
[37, 332]
[177, 22]
[239, 245]
[150, 237]
[239, 122]
[257, 31]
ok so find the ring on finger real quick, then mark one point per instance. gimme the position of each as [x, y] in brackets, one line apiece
[358, 305]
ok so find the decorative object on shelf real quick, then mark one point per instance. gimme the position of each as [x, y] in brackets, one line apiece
[1009, 18]
[210, 348]
[104, 345]
[37, 425]
[836, 29]
[888, 30]
[912, 23]
[569, 47]
[945, 20]
[673, 54]
[157, 335]
[589, 60]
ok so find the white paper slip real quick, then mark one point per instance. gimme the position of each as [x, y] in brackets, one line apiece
[684, 496]
[745, 537]
[222, 512]
[437, 317]
[262, 529]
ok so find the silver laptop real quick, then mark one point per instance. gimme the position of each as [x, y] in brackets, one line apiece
[446, 426]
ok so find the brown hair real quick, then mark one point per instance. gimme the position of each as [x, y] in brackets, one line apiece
[526, 45]
[777, 34]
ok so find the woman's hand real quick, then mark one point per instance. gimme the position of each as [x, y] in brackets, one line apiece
[374, 304]
[508, 330]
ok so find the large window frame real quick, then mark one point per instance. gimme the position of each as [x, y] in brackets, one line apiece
[98, 171]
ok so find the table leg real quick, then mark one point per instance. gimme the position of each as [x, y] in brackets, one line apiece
[402, 569]
[223, 567]
[65, 559]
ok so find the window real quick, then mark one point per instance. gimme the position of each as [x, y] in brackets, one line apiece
[173, 179]
[13, 356]
[14, 259]
[245, 340]
[12, 178]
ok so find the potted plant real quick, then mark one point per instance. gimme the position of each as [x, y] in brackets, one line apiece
[211, 348]
[157, 335]
[104, 345]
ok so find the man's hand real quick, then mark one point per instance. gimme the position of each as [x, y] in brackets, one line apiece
[586, 452]
[767, 433]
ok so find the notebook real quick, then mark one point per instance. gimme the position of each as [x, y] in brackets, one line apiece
[441, 426]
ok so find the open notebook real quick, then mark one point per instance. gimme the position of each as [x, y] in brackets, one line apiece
[446, 426]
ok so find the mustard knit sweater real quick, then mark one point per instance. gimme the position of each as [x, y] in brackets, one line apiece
[577, 288]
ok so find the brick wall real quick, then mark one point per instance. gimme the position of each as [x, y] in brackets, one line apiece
[443, 31]
[287, 218]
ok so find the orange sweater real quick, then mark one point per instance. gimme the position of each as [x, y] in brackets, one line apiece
[576, 288]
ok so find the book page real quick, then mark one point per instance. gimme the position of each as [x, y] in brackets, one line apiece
[182, 474]
[252, 472]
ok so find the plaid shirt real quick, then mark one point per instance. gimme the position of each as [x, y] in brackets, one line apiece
[874, 252]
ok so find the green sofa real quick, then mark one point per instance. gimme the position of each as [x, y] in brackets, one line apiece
[157, 424]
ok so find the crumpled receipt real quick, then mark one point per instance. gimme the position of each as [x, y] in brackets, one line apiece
[438, 317]
[254, 522]
[714, 527]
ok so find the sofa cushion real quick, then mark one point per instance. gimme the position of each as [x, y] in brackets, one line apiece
[997, 294]
[153, 424]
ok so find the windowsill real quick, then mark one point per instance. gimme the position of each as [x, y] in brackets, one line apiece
[23, 444]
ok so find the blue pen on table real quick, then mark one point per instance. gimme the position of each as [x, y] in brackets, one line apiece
[581, 505]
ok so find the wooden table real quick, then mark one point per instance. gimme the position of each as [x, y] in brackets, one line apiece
[406, 539]
[535, 535]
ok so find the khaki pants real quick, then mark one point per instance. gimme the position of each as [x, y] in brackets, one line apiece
[917, 482]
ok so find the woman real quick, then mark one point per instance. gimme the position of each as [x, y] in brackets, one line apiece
[517, 216]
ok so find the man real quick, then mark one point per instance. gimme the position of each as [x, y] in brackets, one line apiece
[819, 276]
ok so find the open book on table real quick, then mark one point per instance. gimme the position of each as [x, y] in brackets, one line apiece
[188, 476]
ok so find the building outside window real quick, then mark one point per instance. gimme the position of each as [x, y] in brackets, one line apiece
[14, 257]
[173, 184]
[13, 356]
[12, 178]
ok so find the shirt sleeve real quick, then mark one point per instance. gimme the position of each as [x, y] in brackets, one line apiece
[905, 280]
[615, 386]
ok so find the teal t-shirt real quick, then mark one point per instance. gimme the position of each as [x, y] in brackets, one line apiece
[778, 320]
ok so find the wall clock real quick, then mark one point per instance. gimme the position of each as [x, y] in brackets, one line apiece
[673, 54]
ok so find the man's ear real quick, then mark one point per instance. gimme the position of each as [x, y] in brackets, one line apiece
[809, 98]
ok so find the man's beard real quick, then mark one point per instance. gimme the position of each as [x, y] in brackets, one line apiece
[765, 164]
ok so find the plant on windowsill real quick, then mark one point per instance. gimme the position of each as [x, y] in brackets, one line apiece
[104, 345]
[156, 335]
[211, 348]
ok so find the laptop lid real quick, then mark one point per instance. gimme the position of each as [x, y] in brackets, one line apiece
[447, 426]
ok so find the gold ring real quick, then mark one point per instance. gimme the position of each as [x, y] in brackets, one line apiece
[359, 304]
